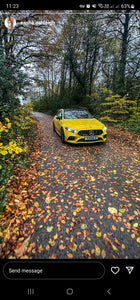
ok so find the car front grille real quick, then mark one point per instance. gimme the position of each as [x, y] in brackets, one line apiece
[90, 132]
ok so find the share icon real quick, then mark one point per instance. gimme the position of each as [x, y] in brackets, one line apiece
[129, 269]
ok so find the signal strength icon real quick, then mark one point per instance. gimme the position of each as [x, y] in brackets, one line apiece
[129, 269]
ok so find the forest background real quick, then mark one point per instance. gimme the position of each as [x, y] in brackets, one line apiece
[65, 59]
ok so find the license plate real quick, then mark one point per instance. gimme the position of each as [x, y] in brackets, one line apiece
[91, 138]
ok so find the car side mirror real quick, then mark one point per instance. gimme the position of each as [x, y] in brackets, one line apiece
[59, 118]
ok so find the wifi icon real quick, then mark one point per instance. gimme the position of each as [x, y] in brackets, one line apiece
[129, 269]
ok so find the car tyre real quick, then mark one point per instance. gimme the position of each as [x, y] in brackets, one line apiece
[62, 136]
[54, 128]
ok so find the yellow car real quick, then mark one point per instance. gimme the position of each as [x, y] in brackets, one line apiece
[78, 126]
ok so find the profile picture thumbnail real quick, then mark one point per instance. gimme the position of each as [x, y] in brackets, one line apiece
[10, 23]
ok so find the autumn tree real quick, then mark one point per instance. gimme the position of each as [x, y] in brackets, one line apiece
[28, 46]
[80, 52]
[121, 61]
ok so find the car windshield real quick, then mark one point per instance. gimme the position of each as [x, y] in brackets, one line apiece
[77, 114]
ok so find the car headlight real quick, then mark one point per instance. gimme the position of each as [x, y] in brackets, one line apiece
[104, 129]
[71, 130]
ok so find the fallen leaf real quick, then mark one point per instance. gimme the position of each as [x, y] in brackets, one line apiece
[84, 226]
[52, 242]
[114, 247]
[47, 247]
[72, 246]
[127, 225]
[117, 242]
[98, 234]
[112, 210]
[103, 253]
[97, 250]
[71, 239]
[21, 250]
[49, 228]
[55, 236]
[36, 203]
[108, 216]
[40, 249]
[53, 256]
[123, 246]
[33, 222]
[92, 178]
[122, 210]
[78, 233]
[114, 227]
[138, 240]
[69, 255]
[22, 207]
[62, 247]
[15, 229]
[48, 198]
[74, 213]
[86, 252]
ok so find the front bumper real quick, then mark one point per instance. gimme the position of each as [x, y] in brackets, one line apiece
[75, 138]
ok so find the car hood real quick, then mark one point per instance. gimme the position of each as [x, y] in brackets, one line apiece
[83, 124]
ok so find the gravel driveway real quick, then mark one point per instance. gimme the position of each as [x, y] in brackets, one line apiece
[88, 196]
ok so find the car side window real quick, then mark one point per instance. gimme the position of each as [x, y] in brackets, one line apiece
[59, 114]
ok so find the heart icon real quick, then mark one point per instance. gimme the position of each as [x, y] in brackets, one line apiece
[115, 270]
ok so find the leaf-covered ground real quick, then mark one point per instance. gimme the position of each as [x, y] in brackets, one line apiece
[83, 201]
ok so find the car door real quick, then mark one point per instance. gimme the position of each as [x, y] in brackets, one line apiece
[58, 121]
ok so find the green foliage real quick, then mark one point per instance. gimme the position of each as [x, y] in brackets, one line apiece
[16, 140]
[103, 104]
[23, 125]
[8, 153]
[122, 111]
[53, 103]
[12, 81]
[134, 122]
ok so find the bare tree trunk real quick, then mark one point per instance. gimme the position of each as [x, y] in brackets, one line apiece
[124, 46]
[92, 67]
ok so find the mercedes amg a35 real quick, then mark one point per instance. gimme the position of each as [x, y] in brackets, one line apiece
[78, 126]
